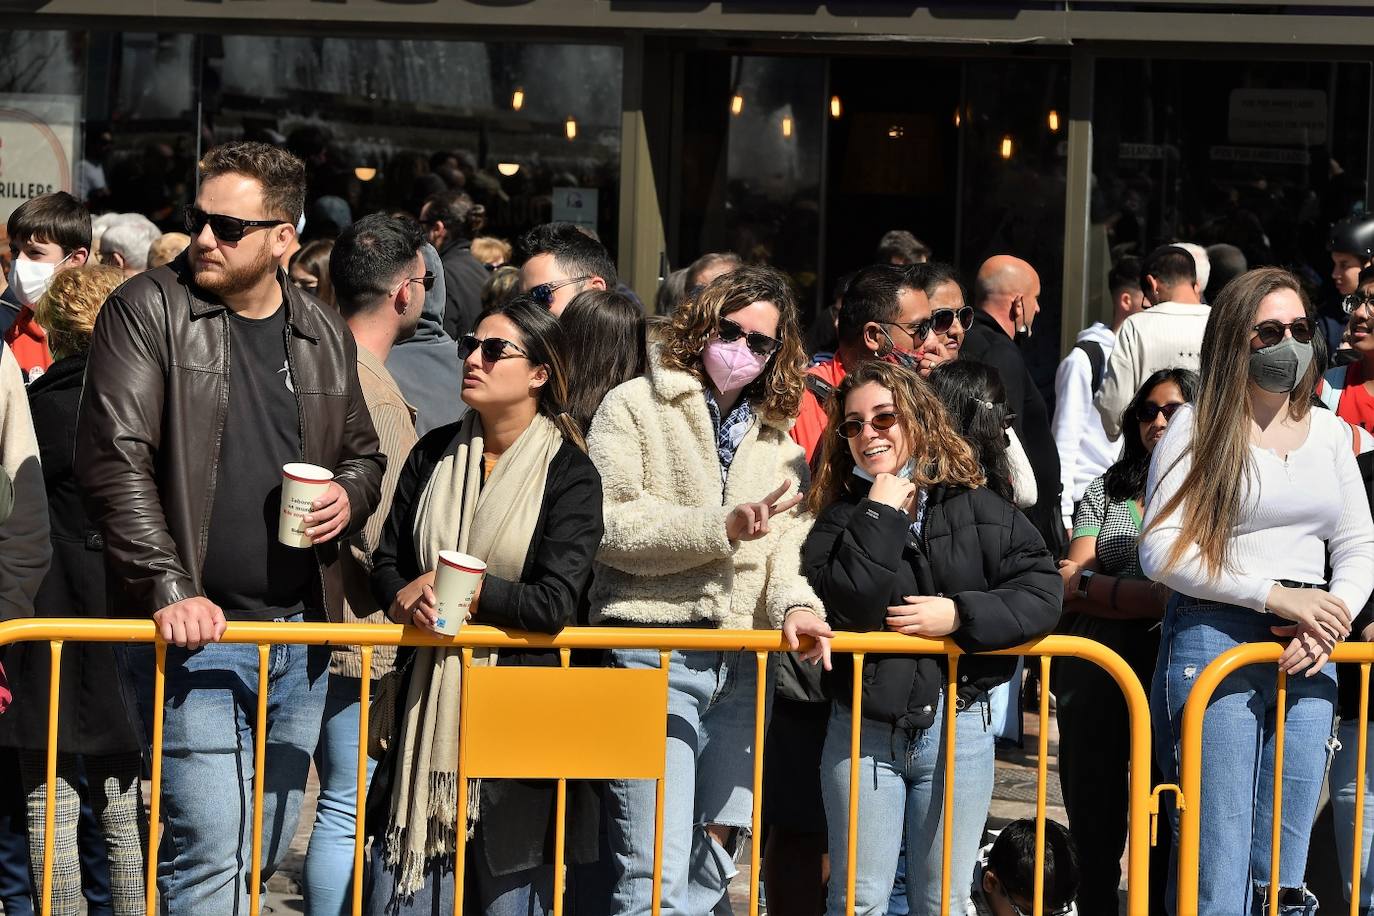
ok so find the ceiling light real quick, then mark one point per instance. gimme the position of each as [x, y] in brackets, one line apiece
[787, 126]
[1006, 147]
[835, 108]
[364, 173]
[517, 99]
[570, 128]
[508, 168]
[736, 105]
[1054, 121]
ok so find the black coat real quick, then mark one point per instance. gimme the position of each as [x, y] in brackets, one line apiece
[96, 709]
[988, 344]
[464, 277]
[1348, 676]
[517, 815]
[974, 547]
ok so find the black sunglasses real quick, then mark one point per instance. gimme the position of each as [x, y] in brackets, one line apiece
[918, 331]
[543, 293]
[1271, 332]
[941, 320]
[225, 228]
[761, 344]
[850, 429]
[427, 281]
[1147, 412]
[493, 348]
[1355, 301]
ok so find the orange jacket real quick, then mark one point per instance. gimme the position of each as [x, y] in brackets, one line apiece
[30, 345]
[810, 425]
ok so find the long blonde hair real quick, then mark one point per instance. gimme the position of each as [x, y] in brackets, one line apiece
[940, 454]
[1210, 494]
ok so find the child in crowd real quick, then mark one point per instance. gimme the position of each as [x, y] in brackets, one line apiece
[1004, 879]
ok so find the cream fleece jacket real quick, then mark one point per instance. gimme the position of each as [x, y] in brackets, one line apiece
[665, 558]
[25, 550]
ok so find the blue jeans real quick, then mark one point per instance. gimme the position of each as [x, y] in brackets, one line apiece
[1345, 787]
[329, 859]
[709, 779]
[1236, 807]
[521, 893]
[902, 796]
[207, 789]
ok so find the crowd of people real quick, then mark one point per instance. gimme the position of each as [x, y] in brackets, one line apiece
[1200, 477]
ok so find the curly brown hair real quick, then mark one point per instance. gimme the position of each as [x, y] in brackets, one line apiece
[778, 391]
[68, 309]
[941, 454]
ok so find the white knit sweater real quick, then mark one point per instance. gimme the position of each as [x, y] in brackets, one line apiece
[665, 558]
[1164, 336]
[1293, 512]
[25, 550]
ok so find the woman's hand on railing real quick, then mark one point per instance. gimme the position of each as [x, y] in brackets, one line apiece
[933, 617]
[1309, 650]
[1311, 609]
[416, 605]
[802, 622]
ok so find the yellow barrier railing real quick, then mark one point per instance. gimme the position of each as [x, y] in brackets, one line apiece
[1190, 763]
[492, 748]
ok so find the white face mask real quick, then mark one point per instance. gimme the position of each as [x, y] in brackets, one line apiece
[30, 279]
[906, 473]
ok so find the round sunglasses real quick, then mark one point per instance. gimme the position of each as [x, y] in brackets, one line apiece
[1147, 412]
[763, 345]
[493, 348]
[850, 429]
[225, 228]
[942, 320]
[1356, 301]
[1270, 332]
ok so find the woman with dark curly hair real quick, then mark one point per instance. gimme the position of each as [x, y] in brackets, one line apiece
[701, 485]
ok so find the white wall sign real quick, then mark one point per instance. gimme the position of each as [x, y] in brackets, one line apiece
[1278, 117]
[575, 205]
[38, 146]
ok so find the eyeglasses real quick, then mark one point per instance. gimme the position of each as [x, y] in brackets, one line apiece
[942, 320]
[1355, 301]
[1271, 332]
[493, 348]
[427, 281]
[543, 293]
[918, 331]
[225, 228]
[731, 331]
[1016, 908]
[1147, 412]
[851, 429]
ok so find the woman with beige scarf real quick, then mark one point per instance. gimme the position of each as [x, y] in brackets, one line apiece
[510, 485]
[702, 483]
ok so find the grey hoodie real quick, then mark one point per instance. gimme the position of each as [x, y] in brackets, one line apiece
[426, 366]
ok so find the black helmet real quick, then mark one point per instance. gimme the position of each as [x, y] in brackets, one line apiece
[1354, 235]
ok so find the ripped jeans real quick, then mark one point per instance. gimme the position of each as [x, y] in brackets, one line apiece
[709, 779]
[1238, 755]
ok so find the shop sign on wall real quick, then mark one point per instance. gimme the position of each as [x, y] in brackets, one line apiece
[38, 143]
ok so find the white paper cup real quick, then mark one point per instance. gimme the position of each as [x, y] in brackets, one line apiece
[455, 584]
[301, 485]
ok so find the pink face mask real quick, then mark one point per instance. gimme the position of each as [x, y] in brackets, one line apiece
[731, 366]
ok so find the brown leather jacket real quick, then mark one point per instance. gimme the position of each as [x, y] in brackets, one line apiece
[152, 414]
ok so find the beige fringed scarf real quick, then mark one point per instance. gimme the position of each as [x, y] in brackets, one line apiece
[494, 522]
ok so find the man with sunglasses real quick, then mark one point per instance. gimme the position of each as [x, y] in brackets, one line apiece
[205, 377]
[884, 314]
[561, 261]
[1085, 451]
[447, 220]
[1166, 333]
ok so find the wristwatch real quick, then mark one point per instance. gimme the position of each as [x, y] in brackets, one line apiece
[1084, 578]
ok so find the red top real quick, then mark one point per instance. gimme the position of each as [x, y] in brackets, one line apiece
[30, 345]
[1356, 405]
[810, 425]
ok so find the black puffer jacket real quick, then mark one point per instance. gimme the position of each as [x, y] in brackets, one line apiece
[974, 547]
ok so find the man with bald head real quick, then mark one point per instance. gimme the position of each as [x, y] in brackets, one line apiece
[1006, 297]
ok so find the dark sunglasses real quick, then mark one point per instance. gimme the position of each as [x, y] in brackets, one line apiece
[1271, 332]
[762, 344]
[543, 293]
[493, 348]
[225, 228]
[1147, 412]
[850, 429]
[941, 320]
[427, 281]
[918, 331]
[1356, 301]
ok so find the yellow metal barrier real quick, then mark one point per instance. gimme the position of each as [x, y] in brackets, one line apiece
[496, 699]
[1190, 763]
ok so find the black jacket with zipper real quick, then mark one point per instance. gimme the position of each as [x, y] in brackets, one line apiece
[974, 547]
